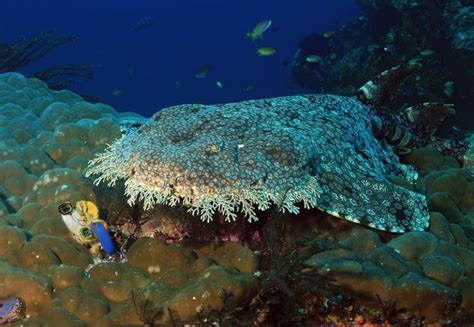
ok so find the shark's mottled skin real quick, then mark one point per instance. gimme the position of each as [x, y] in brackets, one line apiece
[315, 149]
[330, 152]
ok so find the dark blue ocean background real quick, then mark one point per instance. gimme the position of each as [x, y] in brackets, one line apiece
[185, 35]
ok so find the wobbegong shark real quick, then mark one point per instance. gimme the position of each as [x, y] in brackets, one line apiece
[331, 152]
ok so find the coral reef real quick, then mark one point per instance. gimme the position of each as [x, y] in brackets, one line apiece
[305, 269]
[414, 277]
[46, 140]
[439, 33]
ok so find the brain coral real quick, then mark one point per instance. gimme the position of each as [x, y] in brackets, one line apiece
[315, 149]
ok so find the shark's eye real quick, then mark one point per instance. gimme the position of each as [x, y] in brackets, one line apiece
[65, 208]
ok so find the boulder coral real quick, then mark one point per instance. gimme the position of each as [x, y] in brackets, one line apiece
[46, 139]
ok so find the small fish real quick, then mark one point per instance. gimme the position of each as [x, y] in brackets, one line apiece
[266, 51]
[448, 88]
[388, 49]
[458, 133]
[275, 29]
[177, 84]
[426, 53]
[329, 34]
[202, 71]
[117, 92]
[219, 84]
[249, 88]
[259, 29]
[131, 70]
[313, 59]
[142, 24]
[285, 63]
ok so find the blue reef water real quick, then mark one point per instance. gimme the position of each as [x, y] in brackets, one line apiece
[184, 36]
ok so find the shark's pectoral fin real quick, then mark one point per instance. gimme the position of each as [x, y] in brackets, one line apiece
[357, 195]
